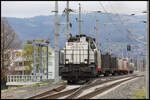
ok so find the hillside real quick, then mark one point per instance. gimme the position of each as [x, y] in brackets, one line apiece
[110, 28]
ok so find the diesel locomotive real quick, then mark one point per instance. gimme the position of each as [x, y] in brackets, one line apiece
[81, 59]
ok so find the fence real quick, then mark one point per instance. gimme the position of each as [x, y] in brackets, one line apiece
[24, 78]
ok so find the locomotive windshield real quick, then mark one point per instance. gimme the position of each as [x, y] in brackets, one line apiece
[74, 39]
[92, 45]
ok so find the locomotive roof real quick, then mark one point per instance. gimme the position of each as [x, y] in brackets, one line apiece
[77, 38]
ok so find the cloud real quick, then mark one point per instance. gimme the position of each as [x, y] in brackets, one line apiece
[35, 8]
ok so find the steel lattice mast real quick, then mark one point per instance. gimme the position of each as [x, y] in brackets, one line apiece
[67, 19]
[97, 36]
[80, 19]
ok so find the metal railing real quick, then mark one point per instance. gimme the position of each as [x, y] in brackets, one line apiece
[24, 78]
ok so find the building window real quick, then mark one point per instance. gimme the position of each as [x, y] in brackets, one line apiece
[16, 63]
[20, 64]
[6, 56]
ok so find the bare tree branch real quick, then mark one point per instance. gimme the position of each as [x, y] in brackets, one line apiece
[9, 42]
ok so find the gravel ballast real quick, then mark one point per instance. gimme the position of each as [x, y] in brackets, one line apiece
[25, 92]
[124, 90]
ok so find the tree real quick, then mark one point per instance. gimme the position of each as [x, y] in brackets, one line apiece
[9, 41]
[28, 54]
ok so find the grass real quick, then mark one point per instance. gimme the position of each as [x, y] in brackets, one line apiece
[41, 83]
[37, 85]
[34, 85]
[140, 94]
[4, 88]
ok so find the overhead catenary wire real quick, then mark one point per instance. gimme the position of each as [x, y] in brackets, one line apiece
[51, 31]
[109, 17]
[114, 25]
[126, 28]
[131, 34]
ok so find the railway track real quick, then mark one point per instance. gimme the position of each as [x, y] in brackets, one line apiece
[101, 90]
[55, 90]
[75, 93]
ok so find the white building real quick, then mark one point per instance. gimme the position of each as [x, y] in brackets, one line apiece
[51, 65]
[18, 66]
[16, 63]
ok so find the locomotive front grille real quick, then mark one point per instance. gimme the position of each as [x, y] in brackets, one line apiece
[78, 56]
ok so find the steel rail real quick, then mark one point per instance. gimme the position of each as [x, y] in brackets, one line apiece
[74, 93]
[60, 94]
[99, 82]
[103, 89]
[78, 91]
[55, 90]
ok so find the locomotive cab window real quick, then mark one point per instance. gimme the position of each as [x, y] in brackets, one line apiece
[92, 45]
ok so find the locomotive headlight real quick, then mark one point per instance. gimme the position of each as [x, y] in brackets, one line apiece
[85, 61]
[67, 62]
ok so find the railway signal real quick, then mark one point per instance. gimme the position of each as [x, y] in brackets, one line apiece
[128, 49]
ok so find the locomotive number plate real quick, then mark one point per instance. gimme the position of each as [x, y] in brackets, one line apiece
[70, 43]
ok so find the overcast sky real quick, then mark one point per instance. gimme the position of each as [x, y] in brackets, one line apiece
[23, 9]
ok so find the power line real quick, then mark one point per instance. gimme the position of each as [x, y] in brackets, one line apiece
[109, 16]
[131, 37]
[127, 29]
[110, 19]
[131, 34]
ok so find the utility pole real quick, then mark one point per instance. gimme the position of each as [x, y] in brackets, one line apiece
[140, 62]
[47, 62]
[67, 19]
[56, 43]
[147, 60]
[97, 33]
[128, 62]
[109, 47]
[143, 64]
[136, 62]
[80, 19]
[122, 51]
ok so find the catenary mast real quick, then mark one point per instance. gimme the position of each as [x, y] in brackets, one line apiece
[80, 19]
[67, 19]
[56, 43]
